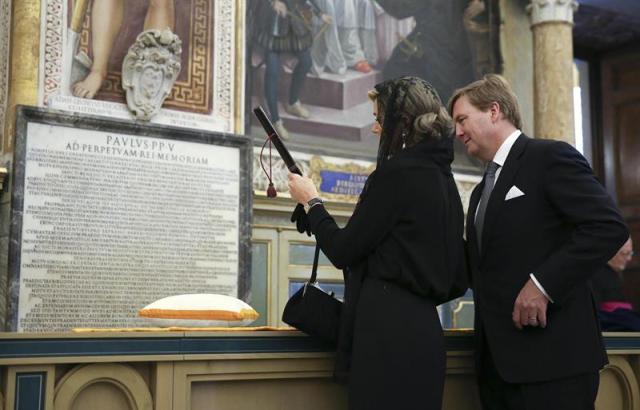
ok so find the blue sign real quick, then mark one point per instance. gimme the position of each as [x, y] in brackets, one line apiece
[342, 183]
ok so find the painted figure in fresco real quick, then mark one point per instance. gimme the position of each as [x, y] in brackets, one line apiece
[438, 49]
[351, 42]
[286, 29]
[106, 22]
[477, 22]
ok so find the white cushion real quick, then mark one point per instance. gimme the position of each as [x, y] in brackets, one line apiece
[200, 310]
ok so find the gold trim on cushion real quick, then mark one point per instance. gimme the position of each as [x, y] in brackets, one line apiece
[204, 314]
[181, 329]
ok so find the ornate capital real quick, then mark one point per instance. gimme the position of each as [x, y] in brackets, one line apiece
[545, 11]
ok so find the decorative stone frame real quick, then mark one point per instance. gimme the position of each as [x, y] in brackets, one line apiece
[29, 115]
[228, 57]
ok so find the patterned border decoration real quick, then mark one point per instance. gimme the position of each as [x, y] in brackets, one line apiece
[5, 35]
[53, 45]
[224, 60]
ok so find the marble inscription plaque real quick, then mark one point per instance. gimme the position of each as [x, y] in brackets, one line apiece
[112, 222]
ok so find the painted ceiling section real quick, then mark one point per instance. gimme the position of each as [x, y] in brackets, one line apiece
[606, 25]
[631, 7]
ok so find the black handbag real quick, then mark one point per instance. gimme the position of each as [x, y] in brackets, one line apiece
[314, 311]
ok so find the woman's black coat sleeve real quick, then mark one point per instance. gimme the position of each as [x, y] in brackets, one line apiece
[367, 227]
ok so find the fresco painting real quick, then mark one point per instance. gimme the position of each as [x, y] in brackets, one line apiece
[87, 42]
[313, 61]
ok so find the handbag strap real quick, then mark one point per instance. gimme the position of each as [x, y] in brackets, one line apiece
[314, 270]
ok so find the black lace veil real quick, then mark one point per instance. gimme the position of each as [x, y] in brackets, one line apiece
[396, 121]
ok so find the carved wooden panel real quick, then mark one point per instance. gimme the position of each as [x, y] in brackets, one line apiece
[621, 148]
[628, 164]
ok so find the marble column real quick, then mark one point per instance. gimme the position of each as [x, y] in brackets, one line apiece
[5, 204]
[551, 23]
[24, 53]
[5, 23]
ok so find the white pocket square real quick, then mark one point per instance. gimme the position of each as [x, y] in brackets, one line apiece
[514, 192]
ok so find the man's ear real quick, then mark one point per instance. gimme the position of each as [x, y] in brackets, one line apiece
[495, 112]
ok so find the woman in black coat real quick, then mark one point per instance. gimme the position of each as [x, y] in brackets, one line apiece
[401, 251]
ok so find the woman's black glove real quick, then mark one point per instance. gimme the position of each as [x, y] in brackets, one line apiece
[299, 216]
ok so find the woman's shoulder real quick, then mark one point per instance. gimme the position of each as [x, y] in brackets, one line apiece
[425, 157]
[402, 178]
[407, 167]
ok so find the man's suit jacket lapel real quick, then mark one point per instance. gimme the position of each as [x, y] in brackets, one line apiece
[503, 184]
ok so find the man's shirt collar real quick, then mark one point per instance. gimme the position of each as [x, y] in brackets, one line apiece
[503, 151]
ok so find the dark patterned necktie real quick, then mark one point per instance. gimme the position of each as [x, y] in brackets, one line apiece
[489, 181]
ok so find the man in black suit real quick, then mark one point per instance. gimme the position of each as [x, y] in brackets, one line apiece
[538, 226]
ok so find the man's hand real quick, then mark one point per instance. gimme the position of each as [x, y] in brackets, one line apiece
[530, 308]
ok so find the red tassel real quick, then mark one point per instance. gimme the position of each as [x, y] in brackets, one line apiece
[271, 191]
